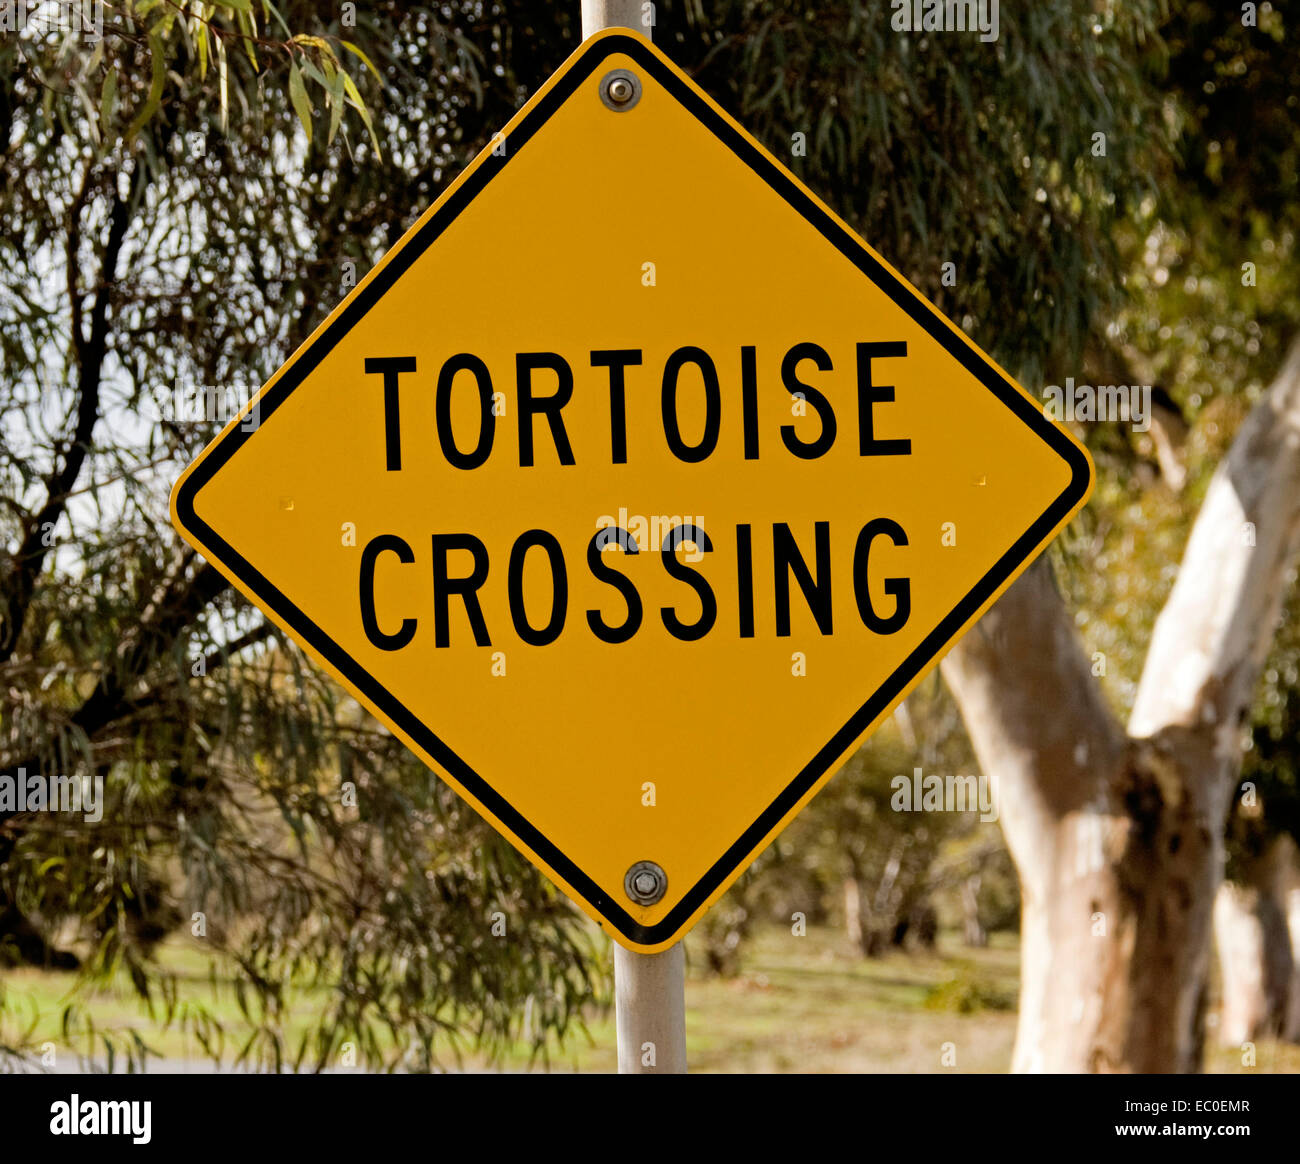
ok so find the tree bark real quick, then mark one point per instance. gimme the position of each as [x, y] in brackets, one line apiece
[18, 586]
[1254, 947]
[973, 931]
[1291, 1030]
[853, 911]
[1117, 835]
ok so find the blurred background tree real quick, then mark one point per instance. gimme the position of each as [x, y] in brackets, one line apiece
[867, 859]
[1214, 297]
[183, 201]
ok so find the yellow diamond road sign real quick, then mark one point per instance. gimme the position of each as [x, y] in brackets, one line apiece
[631, 490]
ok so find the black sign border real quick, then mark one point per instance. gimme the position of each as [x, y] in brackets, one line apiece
[851, 247]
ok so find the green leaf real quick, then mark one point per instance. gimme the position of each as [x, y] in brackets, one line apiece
[96, 59]
[247, 22]
[267, 6]
[313, 41]
[107, 102]
[336, 97]
[202, 31]
[154, 101]
[357, 104]
[312, 73]
[224, 77]
[235, 5]
[365, 60]
[163, 27]
[298, 97]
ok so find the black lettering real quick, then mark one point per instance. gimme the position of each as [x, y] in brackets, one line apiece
[808, 450]
[596, 564]
[464, 362]
[559, 587]
[391, 367]
[369, 619]
[444, 587]
[549, 406]
[787, 560]
[617, 361]
[749, 399]
[870, 394]
[689, 632]
[712, 404]
[745, 579]
[899, 588]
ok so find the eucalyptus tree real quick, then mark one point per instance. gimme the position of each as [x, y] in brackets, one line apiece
[1129, 217]
[1118, 827]
[186, 191]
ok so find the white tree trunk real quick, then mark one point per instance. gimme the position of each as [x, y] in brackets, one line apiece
[1240, 941]
[1118, 836]
[853, 911]
[1291, 1030]
[1254, 945]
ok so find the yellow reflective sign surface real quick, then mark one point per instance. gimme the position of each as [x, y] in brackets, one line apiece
[631, 490]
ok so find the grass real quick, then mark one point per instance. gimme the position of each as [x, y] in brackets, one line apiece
[801, 1004]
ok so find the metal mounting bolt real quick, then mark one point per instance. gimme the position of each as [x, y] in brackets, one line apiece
[646, 883]
[620, 90]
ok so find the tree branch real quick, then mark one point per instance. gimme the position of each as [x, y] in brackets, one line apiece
[1216, 628]
[180, 606]
[1041, 729]
[112, 696]
[90, 352]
